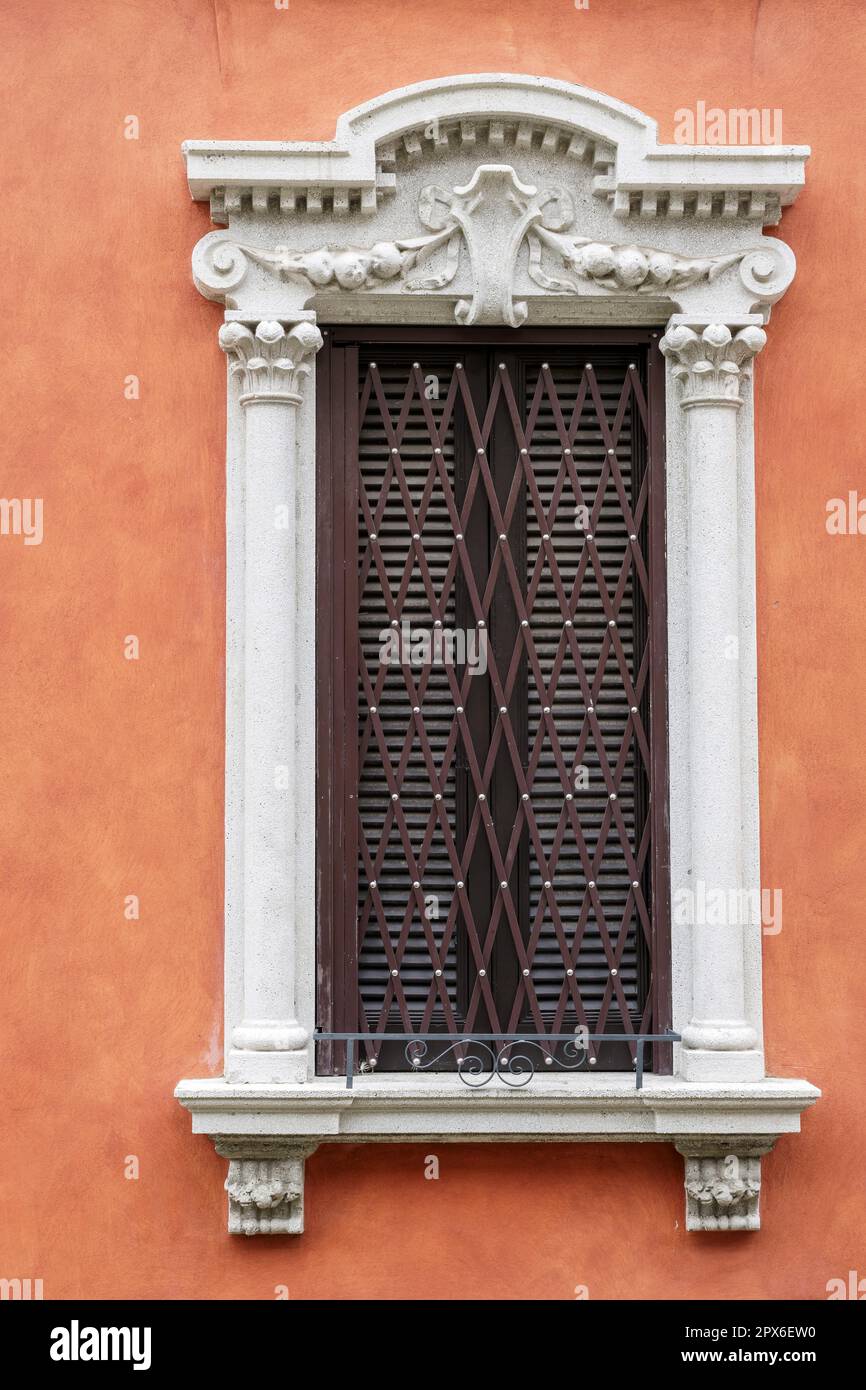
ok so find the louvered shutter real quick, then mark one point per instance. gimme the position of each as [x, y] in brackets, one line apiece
[440, 799]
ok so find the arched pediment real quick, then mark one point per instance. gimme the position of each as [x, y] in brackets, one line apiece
[500, 197]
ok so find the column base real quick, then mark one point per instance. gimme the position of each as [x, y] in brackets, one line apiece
[246, 1066]
[704, 1064]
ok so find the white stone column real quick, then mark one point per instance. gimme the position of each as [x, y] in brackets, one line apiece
[269, 1045]
[711, 364]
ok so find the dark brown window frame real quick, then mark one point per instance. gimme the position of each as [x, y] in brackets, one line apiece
[336, 511]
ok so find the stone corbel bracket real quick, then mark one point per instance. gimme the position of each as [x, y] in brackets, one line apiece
[723, 1181]
[265, 1185]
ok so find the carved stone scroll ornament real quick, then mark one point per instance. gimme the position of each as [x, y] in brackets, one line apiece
[493, 215]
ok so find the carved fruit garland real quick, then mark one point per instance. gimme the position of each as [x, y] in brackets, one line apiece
[494, 215]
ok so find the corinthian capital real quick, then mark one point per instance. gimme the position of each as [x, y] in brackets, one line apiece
[272, 362]
[713, 364]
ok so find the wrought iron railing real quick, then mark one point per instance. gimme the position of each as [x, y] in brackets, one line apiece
[482, 1061]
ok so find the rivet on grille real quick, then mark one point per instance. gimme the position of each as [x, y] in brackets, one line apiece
[459, 536]
[525, 796]
[591, 883]
[416, 884]
[569, 623]
[614, 972]
[569, 972]
[395, 451]
[416, 709]
[548, 1061]
[394, 796]
[372, 883]
[524, 451]
[589, 535]
[524, 623]
[437, 973]
[634, 709]
[591, 710]
[593, 1061]
[612, 623]
[479, 451]
[566, 451]
[394, 622]
[393, 972]
[437, 451]
[373, 536]
[547, 709]
[545, 537]
[502, 366]
[482, 973]
[610, 451]
[568, 796]
[460, 883]
[481, 796]
[613, 796]
[459, 366]
[503, 537]
[459, 709]
[632, 538]
[504, 883]
[481, 622]
[372, 709]
[416, 536]
[438, 796]
[589, 366]
[631, 366]
[416, 365]
[635, 883]
[503, 709]
[438, 622]
[373, 365]
[545, 366]
[525, 973]
[547, 883]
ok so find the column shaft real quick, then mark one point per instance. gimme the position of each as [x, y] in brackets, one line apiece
[269, 1044]
[718, 1041]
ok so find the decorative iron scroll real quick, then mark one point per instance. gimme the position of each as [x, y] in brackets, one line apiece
[509, 1065]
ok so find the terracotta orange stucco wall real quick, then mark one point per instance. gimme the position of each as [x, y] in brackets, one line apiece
[112, 769]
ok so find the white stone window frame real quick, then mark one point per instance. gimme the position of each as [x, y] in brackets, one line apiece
[402, 218]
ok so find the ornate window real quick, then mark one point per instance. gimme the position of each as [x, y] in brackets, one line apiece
[507, 207]
[492, 708]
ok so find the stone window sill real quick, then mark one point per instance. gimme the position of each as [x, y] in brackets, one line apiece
[268, 1131]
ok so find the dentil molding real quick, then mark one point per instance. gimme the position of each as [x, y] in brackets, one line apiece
[496, 200]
